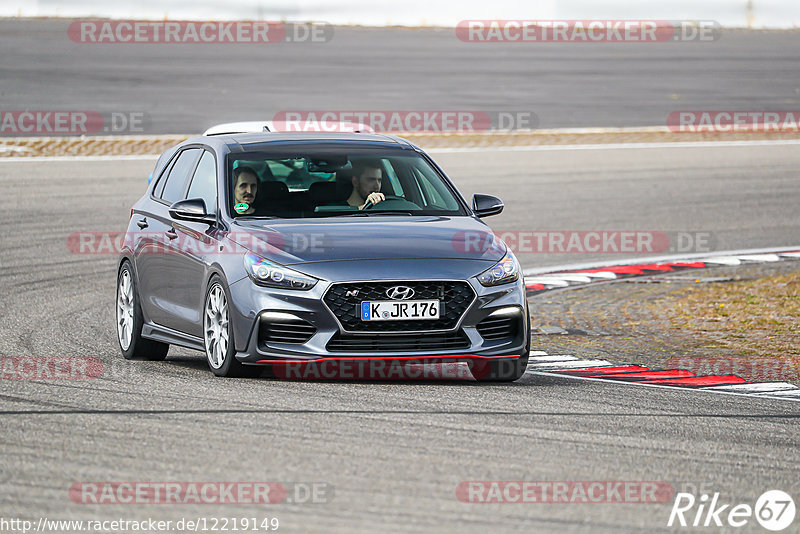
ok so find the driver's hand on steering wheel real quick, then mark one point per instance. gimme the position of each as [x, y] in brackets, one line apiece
[372, 199]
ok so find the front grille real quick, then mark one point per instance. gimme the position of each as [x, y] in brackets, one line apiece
[503, 327]
[455, 298]
[397, 342]
[286, 331]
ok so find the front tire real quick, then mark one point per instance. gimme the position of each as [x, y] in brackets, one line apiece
[130, 321]
[218, 334]
[505, 370]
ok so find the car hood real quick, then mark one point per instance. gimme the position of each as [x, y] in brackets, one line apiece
[383, 237]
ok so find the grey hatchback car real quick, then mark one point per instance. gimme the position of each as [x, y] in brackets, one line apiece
[262, 249]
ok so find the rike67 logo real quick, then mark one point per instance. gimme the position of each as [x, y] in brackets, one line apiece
[774, 510]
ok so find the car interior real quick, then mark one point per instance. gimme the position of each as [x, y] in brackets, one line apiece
[300, 187]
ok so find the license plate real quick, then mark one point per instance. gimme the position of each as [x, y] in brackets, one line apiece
[394, 310]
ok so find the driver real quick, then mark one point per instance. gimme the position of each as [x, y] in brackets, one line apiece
[245, 190]
[366, 185]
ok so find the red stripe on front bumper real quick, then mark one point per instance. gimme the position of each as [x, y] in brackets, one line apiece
[394, 358]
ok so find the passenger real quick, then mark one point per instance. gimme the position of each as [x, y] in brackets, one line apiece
[366, 184]
[245, 190]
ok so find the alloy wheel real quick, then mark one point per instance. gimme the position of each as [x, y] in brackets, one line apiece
[125, 309]
[216, 326]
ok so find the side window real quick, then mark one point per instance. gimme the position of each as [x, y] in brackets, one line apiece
[204, 182]
[391, 176]
[433, 191]
[163, 179]
[179, 174]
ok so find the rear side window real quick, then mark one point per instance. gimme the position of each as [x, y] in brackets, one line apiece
[179, 174]
[163, 179]
[204, 182]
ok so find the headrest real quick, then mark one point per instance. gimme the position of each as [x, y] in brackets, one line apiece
[270, 194]
[344, 182]
[321, 192]
[273, 189]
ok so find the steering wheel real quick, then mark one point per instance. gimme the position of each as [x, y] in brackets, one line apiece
[397, 203]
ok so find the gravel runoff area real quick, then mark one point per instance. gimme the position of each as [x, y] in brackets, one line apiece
[725, 320]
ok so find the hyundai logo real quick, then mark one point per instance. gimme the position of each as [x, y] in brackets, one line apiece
[400, 293]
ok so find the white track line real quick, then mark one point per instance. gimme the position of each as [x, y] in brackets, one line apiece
[723, 260]
[758, 387]
[543, 364]
[782, 395]
[720, 257]
[659, 386]
[443, 150]
[606, 275]
[552, 358]
[761, 257]
[547, 281]
[575, 364]
[617, 146]
[554, 279]
[580, 278]
[62, 159]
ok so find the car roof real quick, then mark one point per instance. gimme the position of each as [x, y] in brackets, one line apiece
[238, 142]
[285, 126]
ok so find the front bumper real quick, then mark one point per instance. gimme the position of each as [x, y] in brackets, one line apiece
[253, 306]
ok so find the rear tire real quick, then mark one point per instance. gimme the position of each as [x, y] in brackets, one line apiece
[130, 321]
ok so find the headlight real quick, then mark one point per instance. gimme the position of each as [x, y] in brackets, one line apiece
[268, 273]
[503, 272]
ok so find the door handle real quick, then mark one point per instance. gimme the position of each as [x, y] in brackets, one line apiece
[142, 223]
[171, 233]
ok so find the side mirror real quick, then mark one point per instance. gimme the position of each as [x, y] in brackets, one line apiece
[485, 205]
[191, 209]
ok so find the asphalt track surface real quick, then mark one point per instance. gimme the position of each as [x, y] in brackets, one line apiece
[393, 452]
[184, 88]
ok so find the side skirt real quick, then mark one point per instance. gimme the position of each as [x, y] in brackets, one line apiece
[173, 337]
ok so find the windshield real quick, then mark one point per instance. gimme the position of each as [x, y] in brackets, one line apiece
[332, 183]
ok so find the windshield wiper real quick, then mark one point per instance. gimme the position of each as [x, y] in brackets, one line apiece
[390, 212]
[361, 213]
[339, 214]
